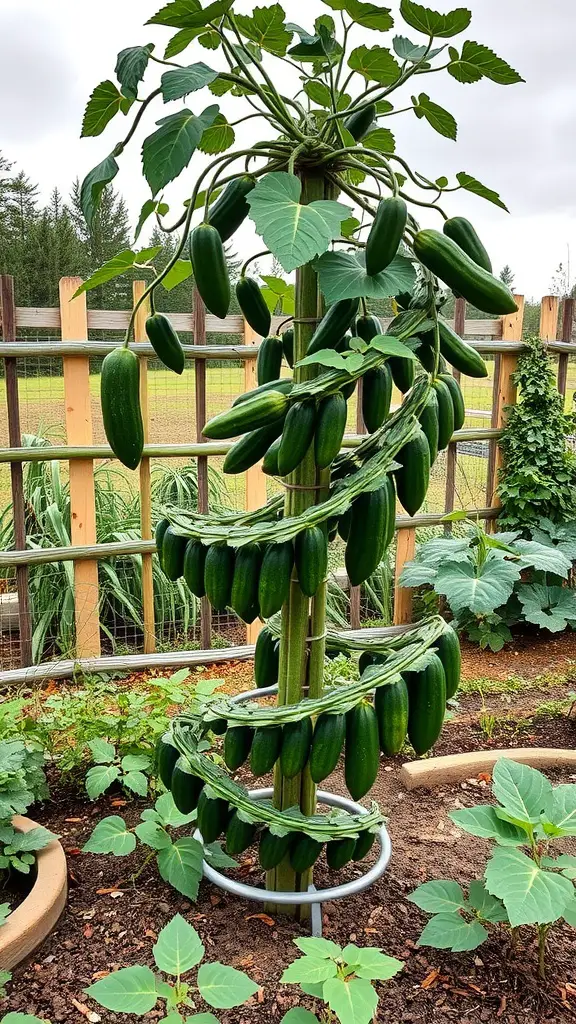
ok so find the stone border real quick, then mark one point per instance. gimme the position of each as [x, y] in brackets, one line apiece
[437, 771]
[37, 915]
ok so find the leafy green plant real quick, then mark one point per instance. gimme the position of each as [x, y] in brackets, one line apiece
[342, 978]
[4, 914]
[129, 771]
[523, 883]
[22, 778]
[177, 951]
[21, 1018]
[18, 849]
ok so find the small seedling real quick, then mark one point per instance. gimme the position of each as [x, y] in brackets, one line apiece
[129, 771]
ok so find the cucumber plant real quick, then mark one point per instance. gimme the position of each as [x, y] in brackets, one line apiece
[334, 202]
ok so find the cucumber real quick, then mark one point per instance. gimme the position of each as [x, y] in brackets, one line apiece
[427, 705]
[391, 707]
[273, 849]
[429, 423]
[231, 209]
[327, 743]
[445, 413]
[457, 399]
[297, 436]
[253, 306]
[284, 385]
[460, 354]
[185, 786]
[369, 529]
[360, 123]
[451, 264]
[376, 397]
[194, 566]
[461, 231]
[269, 359]
[265, 749]
[362, 752]
[367, 327]
[259, 410]
[348, 389]
[166, 758]
[244, 594]
[237, 743]
[329, 429]
[173, 551]
[288, 346]
[296, 741]
[212, 817]
[270, 460]
[218, 726]
[367, 659]
[386, 234]
[414, 474]
[218, 575]
[304, 853]
[391, 520]
[275, 575]
[344, 345]
[344, 524]
[251, 448]
[210, 270]
[364, 844]
[266, 657]
[339, 852]
[333, 325]
[402, 371]
[120, 401]
[165, 342]
[239, 835]
[311, 557]
[425, 353]
[448, 646]
[161, 527]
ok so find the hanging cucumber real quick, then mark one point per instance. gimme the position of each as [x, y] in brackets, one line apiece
[360, 123]
[194, 567]
[457, 399]
[265, 749]
[275, 575]
[231, 209]
[210, 270]
[185, 786]
[173, 551]
[237, 743]
[333, 325]
[391, 707]
[448, 646]
[273, 849]
[368, 658]
[327, 743]
[270, 460]
[266, 657]
[461, 231]
[362, 753]
[429, 423]
[445, 413]
[386, 234]
[218, 575]
[166, 758]
[402, 371]
[339, 852]
[372, 513]
[451, 264]
[284, 385]
[259, 410]
[251, 448]
[212, 817]
[376, 397]
[288, 346]
[253, 307]
[161, 527]
[329, 429]
[269, 359]
[304, 853]
[460, 354]
[344, 524]
[364, 844]
[311, 556]
[244, 593]
[367, 327]
[296, 741]
[120, 400]
[297, 436]
[165, 342]
[427, 705]
[414, 474]
[239, 835]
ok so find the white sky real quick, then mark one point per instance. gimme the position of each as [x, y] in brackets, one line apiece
[520, 140]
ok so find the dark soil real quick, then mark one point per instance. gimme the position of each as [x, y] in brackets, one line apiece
[111, 923]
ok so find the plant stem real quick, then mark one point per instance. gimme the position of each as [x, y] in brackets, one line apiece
[542, 932]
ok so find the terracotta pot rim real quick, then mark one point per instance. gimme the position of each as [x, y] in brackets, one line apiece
[437, 771]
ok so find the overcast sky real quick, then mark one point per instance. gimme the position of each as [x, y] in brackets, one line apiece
[520, 140]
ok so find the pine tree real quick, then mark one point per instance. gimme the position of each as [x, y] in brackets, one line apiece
[108, 235]
[55, 251]
[507, 275]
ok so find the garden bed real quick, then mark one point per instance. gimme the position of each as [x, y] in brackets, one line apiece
[108, 924]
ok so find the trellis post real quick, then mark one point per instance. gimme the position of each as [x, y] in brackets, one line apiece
[199, 330]
[142, 314]
[255, 481]
[505, 393]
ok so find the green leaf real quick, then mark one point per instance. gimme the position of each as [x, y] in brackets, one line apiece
[478, 589]
[489, 907]
[179, 947]
[137, 782]
[218, 137]
[181, 81]
[318, 93]
[21, 1018]
[135, 763]
[180, 272]
[180, 42]
[377, 64]
[149, 207]
[371, 963]
[484, 822]
[35, 839]
[323, 948]
[430, 23]
[103, 752]
[560, 808]
[353, 1001]
[439, 897]
[440, 119]
[523, 791]
[131, 67]
[390, 346]
[265, 26]
[111, 835]
[181, 866]
[541, 556]
[324, 357]
[530, 895]
[320, 49]
[473, 185]
[215, 855]
[153, 835]
[169, 150]
[129, 990]
[550, 608]
[477, 61]
[342, 275]
[312, 969]
[368, 15]
[189, 13]
[349, 226]
[202, 1018]
[223, 987]
[294, 233]
[100, 778]
[298, 1015]
[103, 105]
[407, 50]
[569, 913]
[115, 267]
[451, 931]
[170, 814]
[93, 186]
[381, 139]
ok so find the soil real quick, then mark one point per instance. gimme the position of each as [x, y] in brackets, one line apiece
[110, 923]
[527, 655]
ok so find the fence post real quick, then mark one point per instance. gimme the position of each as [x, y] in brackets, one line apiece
[255, 494]
[451, 454]
[199, 330]
[505, 393]
[8, 324]
[74, 327]
[356, 592]
[565, 335]
[405, 549]
[138, 287]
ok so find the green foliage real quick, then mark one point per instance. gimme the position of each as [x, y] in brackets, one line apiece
[538, 477]
[22, 779]
[129, 771]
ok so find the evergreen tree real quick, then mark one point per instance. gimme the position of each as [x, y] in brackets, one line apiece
[507, 275]
[108, 235]
[54, 250]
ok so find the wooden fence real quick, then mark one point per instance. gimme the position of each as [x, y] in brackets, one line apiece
[500, 337]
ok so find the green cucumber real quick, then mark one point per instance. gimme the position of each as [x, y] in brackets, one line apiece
[212, 817]
[269, 359]
[237, 743]
[218, 575]
[457, 399]
[329, 429]
[360, 122]
[333, 325]
[210, 270]
[460, 354]
[266, 657]
[165, 342]
[185, 786]
[288, 346]
[251, 448]
[239, 835]
[265, 749]
[275, 576]
[368, 658]
[173, 551]
[348, 389]
[427, 705]
[362, 752]
[364, 844]
[218, 726]
[166, 758]
[339, 852]
[414, 474]
[297, 436]
[461, 231]
[327, 743]
[376, 397]
[429, 423]
[194, 566]
[296, 741]
[244, 594]
[161, 527]
[311, 557]
[253, 306]
[120, 401]
[372, 515]
[304, 853]
[452, 265]
[386, 234]
[448, 646]
[284, 385]
[270, 460]
[391, 707]
[231, 208]
[445, 413]
[259, 410]
[402, 371]
[367, 327]
[273, 849]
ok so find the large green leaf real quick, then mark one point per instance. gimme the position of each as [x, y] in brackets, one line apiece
[129, 990]
[569, 913]
[115, 267]
[136, 782]
[477, 61]
[299, 1015]
[376, 63]
[438, 118]
[265, 26]
[179, 947]
[93, 186]
[169, 150]
[180, 272]
[223, 987]
[407, 50]
[451, 931]
[148, 208]
[369, 15]
[520, 789]
[318, 947]
[484, 822]
[179, 82]
[189, 13]
[478, 589]
[152, 834]
[169, 813]
[342, 275]
[100, 778]
[544, 557]
[369, 962]
[105, 102]
[218, 137]
[180, 41]
[489, 907]
[131, 67]
[102, 751]
[353, 1001]
[442, 896]
[552, 608]
[560, 808]
[380, 139]
[530, 895]
[294, 233]
[431, 23]
[312, 969]
[472, 184]
[181, 865]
